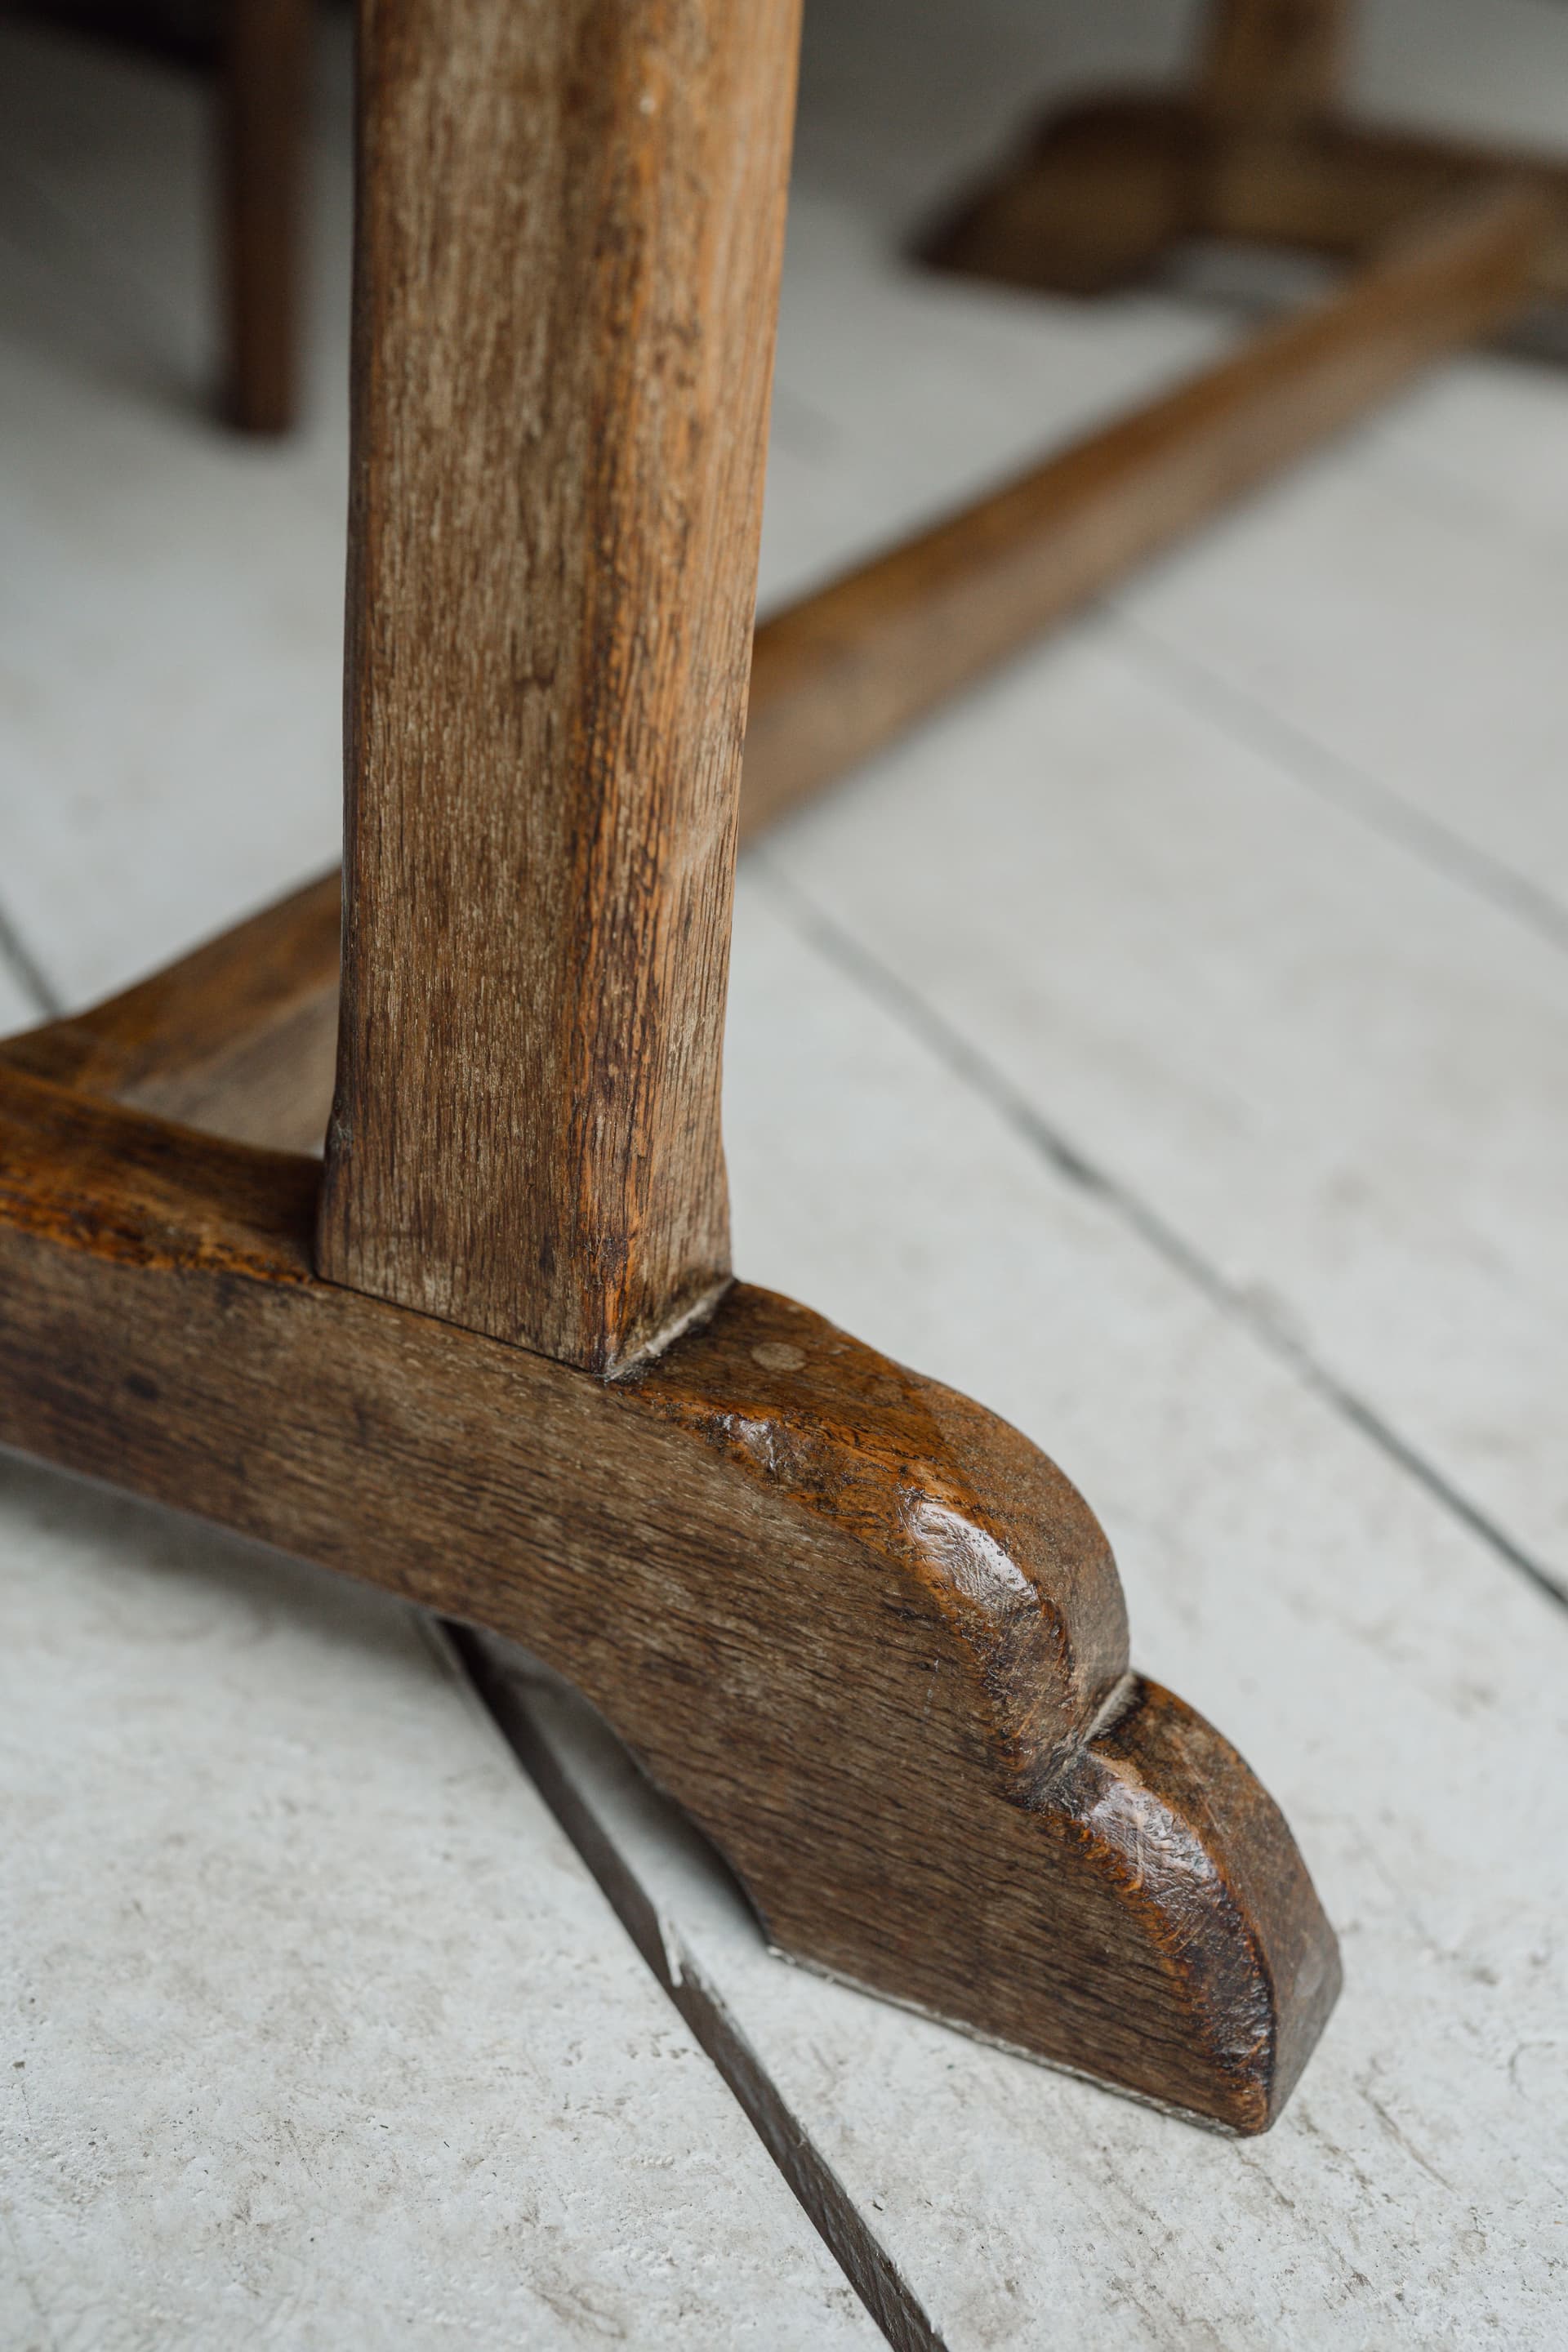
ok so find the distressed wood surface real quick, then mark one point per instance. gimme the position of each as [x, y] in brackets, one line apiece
[1395, 604]
[1412, 2192]
[873, 1643]
[143, 692]
[316, 2027]
[1202, 1983]
[262, 140]
[570, 226]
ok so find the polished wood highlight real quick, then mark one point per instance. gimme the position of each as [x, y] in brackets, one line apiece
[870, 1638]
[570, 228]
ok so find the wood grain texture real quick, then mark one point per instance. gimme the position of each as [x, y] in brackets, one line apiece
[1421, 623]
[1104, 185]
[1277, 59]
[870, 1639]
[263, 116]
[570, 226]
[238, 1037]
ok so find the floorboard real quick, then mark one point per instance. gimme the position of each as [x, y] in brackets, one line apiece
[1168, 1046]
[1396, 614]
[1329, 1073]
[317, 2030]
[1392, 1685]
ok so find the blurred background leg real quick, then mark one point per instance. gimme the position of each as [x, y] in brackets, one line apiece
[263, 102]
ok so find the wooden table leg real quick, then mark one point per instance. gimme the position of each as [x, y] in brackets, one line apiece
[570, 232]
[239, 1037]
[263, 109]
[868, 1635]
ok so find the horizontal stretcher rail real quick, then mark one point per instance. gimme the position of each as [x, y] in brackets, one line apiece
[238, 1037]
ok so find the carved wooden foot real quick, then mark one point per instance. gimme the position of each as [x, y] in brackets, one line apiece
[865, 1635]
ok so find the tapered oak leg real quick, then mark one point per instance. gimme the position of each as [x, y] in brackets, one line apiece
[264, 103]
[868, 1635]
[570, 229]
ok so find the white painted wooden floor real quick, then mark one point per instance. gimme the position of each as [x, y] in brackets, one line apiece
[1169, 1046]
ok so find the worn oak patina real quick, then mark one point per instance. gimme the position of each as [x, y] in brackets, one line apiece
[489, 1353]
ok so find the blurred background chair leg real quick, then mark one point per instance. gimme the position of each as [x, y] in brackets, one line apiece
[264, 96]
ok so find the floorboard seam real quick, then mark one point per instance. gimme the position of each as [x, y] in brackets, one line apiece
[973, 1068]
[1329, 777]
[844, 2230]
[25, 970]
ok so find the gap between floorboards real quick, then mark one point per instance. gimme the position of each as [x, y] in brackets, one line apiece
[964, 1061]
